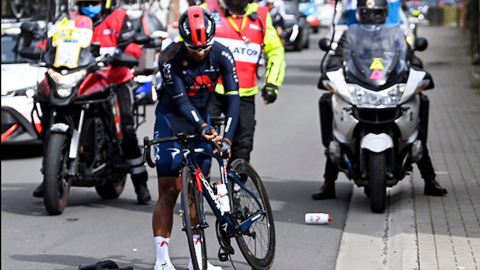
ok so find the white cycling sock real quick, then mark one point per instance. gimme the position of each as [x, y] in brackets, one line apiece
[161, 244]
[198, 248]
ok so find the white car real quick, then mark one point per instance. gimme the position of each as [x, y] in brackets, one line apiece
[19, 82]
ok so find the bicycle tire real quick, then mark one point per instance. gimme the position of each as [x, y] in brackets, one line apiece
[259, 254]
[190, 190]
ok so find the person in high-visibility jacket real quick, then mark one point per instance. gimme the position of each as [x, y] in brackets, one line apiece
[246, 29]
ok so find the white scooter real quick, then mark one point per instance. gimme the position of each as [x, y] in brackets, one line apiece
[372, 129]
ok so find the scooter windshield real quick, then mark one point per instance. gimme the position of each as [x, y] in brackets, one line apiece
[70, 43]
[375, 53]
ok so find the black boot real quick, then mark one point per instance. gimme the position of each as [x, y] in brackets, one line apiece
[327, 191]
[141, 189]
[38, 192]
[433, 188]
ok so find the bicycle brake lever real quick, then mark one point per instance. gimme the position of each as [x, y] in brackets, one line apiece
[146, 152]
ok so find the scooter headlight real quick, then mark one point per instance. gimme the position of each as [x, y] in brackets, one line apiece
[362, 97]
[66, 82]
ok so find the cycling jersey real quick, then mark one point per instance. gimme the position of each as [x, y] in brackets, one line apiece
[188, 86]
[246, 37]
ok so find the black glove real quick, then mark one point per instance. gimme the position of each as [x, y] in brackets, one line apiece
[226, 149]
[206, 130]
[269, 92]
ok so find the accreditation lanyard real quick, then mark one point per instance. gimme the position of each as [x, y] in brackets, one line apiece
[235, 27]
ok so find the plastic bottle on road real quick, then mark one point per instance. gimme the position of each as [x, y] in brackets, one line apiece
[317, 218]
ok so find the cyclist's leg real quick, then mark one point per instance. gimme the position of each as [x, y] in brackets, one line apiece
[167, 158]
[204, 162]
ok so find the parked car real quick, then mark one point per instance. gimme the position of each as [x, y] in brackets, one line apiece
[19, 82]
[296, 33]
[309, 8]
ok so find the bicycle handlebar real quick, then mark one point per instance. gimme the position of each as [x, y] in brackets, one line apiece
[182, 137]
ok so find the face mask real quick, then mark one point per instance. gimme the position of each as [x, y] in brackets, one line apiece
[91, 11]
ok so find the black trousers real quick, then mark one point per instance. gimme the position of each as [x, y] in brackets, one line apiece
[242, 144]
[130, 142]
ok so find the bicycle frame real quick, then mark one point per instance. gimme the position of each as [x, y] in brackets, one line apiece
[203, 184]
[213, 200]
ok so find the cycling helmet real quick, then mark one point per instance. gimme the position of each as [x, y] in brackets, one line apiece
[197, 27]
[239, 7]
[372, 11]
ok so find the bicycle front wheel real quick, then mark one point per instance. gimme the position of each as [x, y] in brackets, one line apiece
[257, 244]
[193, 220]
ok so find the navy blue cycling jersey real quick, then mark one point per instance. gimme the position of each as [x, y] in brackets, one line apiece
[188, 86]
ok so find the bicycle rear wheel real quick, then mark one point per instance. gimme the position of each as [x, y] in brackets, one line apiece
[257, 244]
[193, 219]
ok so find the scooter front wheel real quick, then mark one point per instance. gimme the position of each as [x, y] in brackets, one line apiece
[377, 182]
[56, 181]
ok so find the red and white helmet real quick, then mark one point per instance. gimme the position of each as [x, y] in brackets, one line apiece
[197, 26]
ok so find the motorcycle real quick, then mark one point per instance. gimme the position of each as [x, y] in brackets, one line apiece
[372, 118]
[84, 135]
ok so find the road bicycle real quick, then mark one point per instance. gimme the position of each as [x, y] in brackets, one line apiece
[249, 219]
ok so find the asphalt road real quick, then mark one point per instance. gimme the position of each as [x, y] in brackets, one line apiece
[287, 154]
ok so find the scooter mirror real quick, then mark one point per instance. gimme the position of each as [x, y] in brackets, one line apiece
[420, 44]
[123, 59]
[139, 38]
[324, 44]
[33, 53]
[29, 28]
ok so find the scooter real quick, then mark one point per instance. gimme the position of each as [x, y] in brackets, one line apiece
[371, 117]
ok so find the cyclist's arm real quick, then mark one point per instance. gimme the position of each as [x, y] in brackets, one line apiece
[173, 84]
[230, 83]
[275, 54]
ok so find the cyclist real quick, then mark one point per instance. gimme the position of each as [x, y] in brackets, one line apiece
[375, 12]
[112, 28]
[247, 30]
[190, 71]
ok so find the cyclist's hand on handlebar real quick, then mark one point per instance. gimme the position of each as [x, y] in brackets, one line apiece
[209, 133]
[226, 148]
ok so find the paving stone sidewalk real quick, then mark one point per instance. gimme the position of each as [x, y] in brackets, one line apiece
[424, 232]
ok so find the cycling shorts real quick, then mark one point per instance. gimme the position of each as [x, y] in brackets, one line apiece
[168, 155]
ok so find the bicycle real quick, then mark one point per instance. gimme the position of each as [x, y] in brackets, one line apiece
[250, 219]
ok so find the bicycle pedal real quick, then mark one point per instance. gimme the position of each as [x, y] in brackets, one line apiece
[223, 257]
[223, 253]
